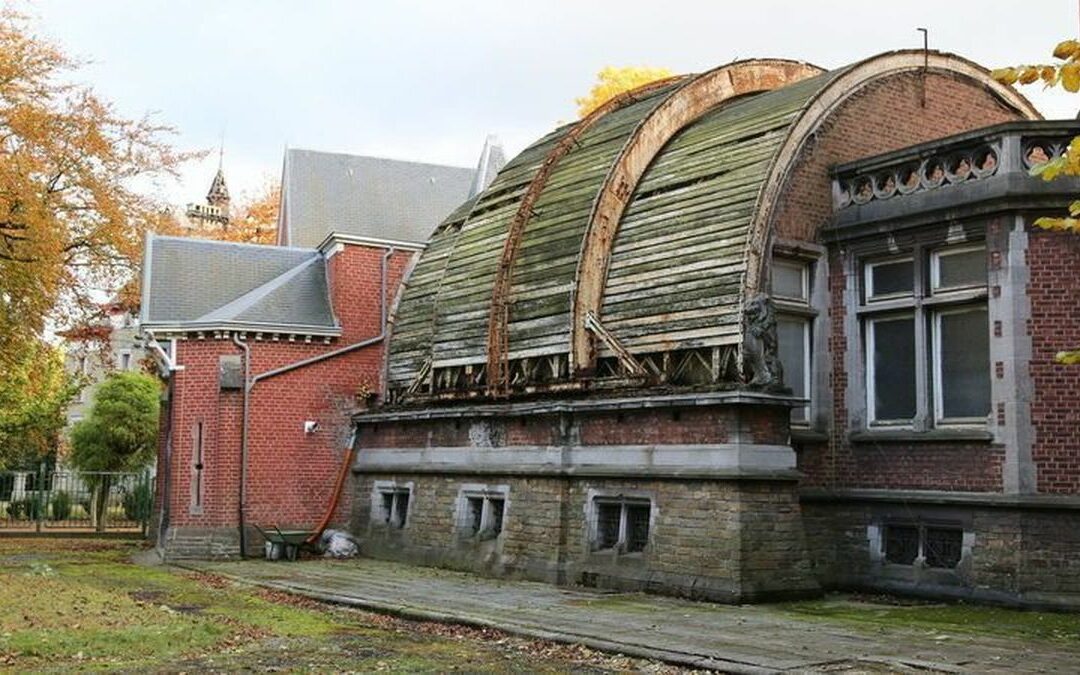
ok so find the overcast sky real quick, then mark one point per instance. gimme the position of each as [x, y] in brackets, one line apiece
[427, 81]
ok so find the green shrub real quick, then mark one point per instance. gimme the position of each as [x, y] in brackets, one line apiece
[28, 508]
[61, 506]
[138, 502]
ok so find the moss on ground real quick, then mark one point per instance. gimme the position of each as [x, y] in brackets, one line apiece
[881, 612]
[84, 606]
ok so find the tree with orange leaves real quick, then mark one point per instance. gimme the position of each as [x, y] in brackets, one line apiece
[1064, 73]
[72, 218]
[612, 81]
[255, 221]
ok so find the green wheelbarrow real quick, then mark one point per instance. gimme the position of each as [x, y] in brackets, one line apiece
[283, 544]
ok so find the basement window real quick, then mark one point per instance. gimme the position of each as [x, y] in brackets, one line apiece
[936, 546]
[621, 524]
[390, 504]
[482, 511]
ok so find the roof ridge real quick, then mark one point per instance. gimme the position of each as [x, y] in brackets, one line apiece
[238, 244]
[237, 306]
[381, 158]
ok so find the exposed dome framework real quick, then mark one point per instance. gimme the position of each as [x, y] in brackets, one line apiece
[625, 246]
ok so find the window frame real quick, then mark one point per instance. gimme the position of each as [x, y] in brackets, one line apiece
[392, 519]
[485, 529]
[871, 372]
[936, 363]
[803, 311]
[925, 304]
[868, 279]
[624, 504]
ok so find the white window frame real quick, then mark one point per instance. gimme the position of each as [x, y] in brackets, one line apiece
[871, 382]
[807, 324]
[935, 267]
[804, 277]
[125, 353]
[924, 305]
[486, 493]
[868, 279]
[800, 309]
[392, 519]
[935, 367]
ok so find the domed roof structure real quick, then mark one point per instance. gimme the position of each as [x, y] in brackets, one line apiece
[633, 236]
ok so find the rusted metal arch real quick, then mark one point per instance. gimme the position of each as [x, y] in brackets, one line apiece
[682, 107]
[498, 342]
[818, 109]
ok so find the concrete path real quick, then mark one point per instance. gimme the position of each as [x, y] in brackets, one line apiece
[756, 639]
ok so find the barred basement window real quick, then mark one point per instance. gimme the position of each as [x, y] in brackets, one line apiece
[901, 544]
[937, 546]
[482, 511]
[943, 546]
[621, 524]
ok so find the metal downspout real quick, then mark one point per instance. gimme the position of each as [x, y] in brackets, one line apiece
[250, 382]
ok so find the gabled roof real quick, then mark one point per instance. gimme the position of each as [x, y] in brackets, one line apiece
[385, 199]
[198, 284]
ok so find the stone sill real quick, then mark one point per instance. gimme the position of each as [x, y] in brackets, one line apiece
[943, 498]
[807, 435]
[930, 436]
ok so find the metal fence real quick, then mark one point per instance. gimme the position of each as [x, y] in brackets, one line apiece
[75, 501]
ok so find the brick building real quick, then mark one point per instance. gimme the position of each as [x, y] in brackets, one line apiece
[744, 334]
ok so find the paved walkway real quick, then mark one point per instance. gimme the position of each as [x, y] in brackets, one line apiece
[731, 638]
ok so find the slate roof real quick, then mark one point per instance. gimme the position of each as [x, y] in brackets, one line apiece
[198, 284]
[373, 197]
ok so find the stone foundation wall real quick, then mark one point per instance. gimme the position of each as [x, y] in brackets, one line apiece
[1024, 555]
[721, 540]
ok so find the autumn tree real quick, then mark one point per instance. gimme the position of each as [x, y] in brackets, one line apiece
[1064, 73]
[254, 221]
[73, 176]
[35, 391]
[612, 81]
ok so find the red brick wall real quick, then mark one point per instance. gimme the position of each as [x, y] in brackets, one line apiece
[883, 116]
[1054, 290]
[291, 474]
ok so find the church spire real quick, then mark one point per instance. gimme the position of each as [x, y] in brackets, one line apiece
[219, 192]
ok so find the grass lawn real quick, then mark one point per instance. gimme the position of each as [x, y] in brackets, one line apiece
[83, 605]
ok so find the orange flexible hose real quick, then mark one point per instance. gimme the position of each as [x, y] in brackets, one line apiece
[335, 499]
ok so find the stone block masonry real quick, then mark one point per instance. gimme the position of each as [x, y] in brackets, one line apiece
[692, 499]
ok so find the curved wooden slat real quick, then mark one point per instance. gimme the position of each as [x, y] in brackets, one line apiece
[498, 320]
[682, 107]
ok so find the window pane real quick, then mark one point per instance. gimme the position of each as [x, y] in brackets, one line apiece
[387, 506]
[787, 280]
[475, 506]
[965, 364]
[607, 525]
[943, 546]
[901, 544]
[961, 269]
[894, 368]
[496, 515]
[402, 514]
[791, 334]
[637, 527]
[891, 278]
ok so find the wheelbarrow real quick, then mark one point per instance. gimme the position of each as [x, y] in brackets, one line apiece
[283, 544]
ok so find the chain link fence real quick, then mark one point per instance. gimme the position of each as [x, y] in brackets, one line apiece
[75, 501]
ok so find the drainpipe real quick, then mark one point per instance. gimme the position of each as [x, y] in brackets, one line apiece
[250, 382]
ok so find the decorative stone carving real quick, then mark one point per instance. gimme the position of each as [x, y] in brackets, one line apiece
[760, 347]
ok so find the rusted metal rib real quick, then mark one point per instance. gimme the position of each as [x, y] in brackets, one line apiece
[682, 107]
[498, 345]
